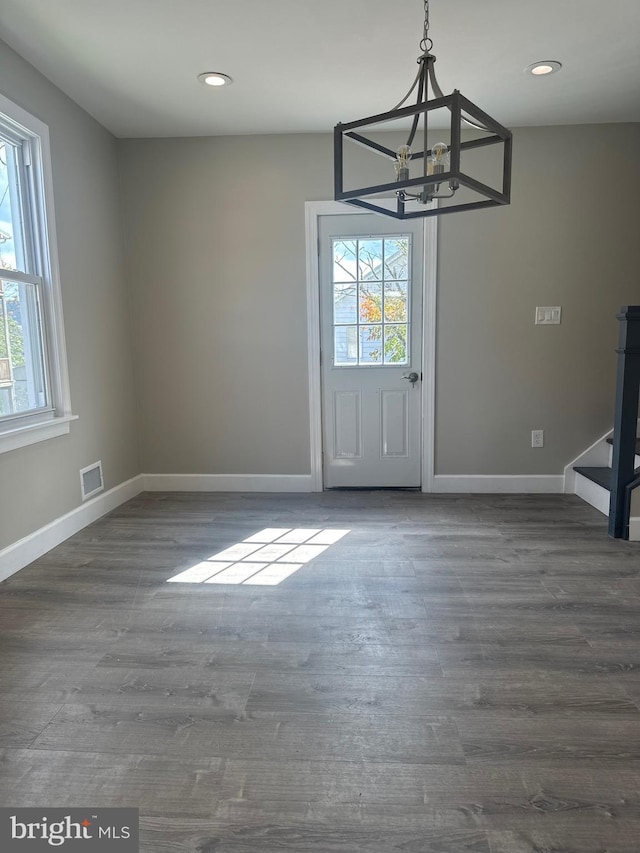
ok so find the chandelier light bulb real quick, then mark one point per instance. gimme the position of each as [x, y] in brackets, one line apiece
[440, 154]
[403, 155]
[439, 160]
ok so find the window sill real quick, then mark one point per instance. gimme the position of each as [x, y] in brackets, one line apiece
[22, 436]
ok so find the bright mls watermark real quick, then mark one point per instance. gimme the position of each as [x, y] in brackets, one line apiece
[81, 830]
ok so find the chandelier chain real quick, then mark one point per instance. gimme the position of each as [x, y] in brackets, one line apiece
[426, 44]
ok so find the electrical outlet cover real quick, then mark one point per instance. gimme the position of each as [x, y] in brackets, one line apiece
[537, 438]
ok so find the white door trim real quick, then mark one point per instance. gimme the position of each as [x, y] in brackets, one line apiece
[429, 294]
[313, 210]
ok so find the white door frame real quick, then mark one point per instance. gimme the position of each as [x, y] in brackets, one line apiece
[313, 210]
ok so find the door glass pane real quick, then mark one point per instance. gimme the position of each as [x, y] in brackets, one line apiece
[346, 345]
[344, 303]
[395, 344]
[371, 302]
[395, 301]
[370, 259]
[371, 344]
[396, 258]
[345, 260]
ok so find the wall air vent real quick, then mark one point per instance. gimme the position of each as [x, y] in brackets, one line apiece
[91, 481]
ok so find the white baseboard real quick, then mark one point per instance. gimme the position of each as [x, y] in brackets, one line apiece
[498, 483]
[227, 482]
[25, 551]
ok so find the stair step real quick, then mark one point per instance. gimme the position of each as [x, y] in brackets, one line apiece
[610, 441]
[601, 476]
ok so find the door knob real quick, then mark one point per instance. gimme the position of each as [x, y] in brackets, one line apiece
[411, 377]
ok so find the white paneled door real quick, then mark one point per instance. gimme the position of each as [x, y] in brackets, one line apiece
[371, 343]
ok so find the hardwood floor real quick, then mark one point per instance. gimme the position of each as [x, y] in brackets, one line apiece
[457, 674]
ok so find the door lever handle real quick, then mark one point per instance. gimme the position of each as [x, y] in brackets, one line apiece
[411, 377]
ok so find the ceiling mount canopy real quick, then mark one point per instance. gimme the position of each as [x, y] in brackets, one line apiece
[377, 167]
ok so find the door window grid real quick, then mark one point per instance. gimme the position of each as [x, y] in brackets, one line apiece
[370, 291]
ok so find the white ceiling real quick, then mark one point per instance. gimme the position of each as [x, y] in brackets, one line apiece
[303, 65]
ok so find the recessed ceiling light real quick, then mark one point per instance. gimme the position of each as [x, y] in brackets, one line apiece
[547, 66]
[214, 78]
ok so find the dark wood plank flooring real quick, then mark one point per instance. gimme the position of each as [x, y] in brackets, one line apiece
[458, 674]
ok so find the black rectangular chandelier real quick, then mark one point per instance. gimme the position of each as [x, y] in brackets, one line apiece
[469, 171]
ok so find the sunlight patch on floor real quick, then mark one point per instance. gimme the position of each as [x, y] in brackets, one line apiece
[263, 559]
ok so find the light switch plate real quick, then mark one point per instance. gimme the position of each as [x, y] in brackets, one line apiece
[549, 315]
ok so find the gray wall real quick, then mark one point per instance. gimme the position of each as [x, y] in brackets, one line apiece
[215, 237]
[569, 238]
[41, 482]
[216, 250]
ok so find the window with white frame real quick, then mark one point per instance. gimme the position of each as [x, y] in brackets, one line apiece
[371, 300]
[34, 388]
